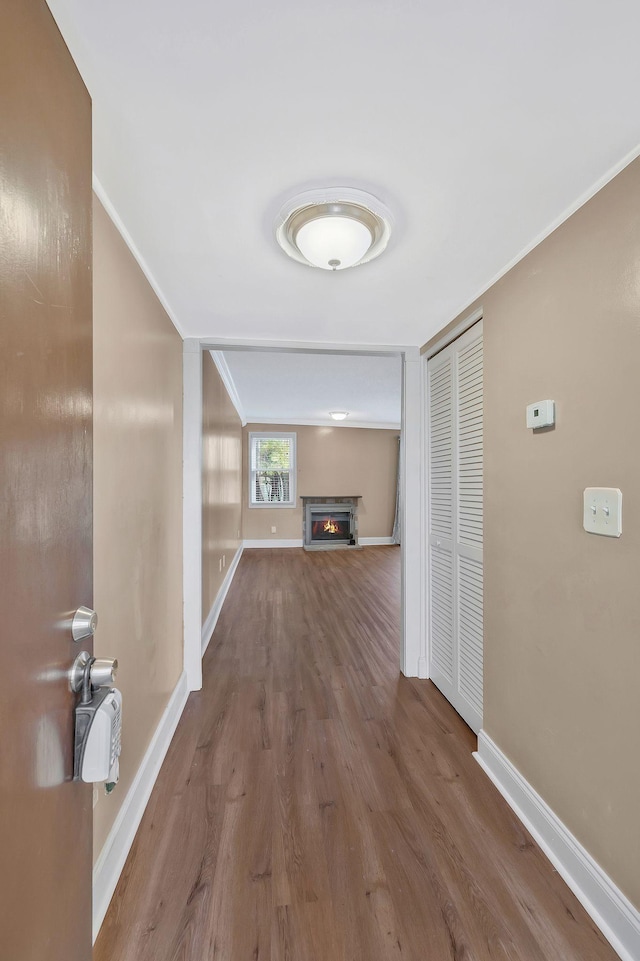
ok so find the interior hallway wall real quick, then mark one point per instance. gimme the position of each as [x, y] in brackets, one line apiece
[221, 482]
[330, 461]
[137, 498]
[562, 607]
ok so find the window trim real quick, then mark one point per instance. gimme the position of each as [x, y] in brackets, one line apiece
[275, 435]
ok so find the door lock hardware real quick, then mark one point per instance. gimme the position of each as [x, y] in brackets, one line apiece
[90, 673]
[98, 720]
[103, 671]
[84, 623]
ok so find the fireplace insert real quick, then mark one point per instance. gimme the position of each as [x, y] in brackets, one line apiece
[334, 526]
[330, 523]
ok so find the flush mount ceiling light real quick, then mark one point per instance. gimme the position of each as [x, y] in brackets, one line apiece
[333, 228]
[338, 414]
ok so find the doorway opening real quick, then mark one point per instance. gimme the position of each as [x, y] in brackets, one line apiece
[411, 653]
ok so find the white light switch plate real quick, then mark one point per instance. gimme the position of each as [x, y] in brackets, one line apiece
[603, 511]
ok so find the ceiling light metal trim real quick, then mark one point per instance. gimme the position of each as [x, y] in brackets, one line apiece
[327, 202]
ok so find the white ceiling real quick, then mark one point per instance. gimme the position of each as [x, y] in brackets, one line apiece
[480, 124]
[291, 388]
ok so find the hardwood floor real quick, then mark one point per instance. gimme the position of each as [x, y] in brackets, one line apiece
[317, 806]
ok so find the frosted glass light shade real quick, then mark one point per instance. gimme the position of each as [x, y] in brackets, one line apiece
[333, 242]
[333, 228]
[338, 414]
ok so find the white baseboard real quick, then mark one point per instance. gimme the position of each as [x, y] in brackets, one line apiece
[374, 541]
[272, 542]
[614, 914]
[212, 618]
[110, 863]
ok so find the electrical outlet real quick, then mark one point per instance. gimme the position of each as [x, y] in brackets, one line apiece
[96, 794]
[273, 530]
[238, 532]
[220, 564]
[224, 560]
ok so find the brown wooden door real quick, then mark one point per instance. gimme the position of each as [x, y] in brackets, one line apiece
[45, 484]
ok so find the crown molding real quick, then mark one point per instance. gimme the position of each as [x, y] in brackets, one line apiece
[568, 212]
[227, 379]
[321, 422]
[103, 197]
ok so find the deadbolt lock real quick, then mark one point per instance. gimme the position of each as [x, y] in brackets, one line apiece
[84, 623]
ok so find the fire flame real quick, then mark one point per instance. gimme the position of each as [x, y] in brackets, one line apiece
[331, 527]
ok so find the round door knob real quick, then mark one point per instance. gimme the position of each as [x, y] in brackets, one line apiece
[84, 623]
[103, 671]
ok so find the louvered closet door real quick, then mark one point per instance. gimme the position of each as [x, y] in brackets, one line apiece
[454, 388]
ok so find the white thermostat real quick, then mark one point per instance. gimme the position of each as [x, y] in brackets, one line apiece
[541, 414]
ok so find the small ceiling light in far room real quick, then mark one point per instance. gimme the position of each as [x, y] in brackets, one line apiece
[338, 414]
[333, 227]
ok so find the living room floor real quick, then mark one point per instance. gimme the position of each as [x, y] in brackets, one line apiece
[316, 805]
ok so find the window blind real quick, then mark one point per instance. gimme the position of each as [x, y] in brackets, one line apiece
[272, 478]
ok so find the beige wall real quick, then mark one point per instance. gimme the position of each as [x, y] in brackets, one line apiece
[562, 607]
[221, 482]
[137, 498]
[331, 461]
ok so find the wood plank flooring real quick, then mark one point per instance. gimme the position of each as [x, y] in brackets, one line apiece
[317, 806]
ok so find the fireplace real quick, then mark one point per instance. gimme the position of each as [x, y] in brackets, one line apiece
[330, 522]
[331, 526]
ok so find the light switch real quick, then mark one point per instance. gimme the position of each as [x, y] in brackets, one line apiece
[603, 511]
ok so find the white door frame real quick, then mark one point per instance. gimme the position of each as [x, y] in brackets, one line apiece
[413, 656]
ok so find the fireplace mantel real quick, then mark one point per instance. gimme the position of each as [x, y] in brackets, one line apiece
[343, 498]
[345, 509]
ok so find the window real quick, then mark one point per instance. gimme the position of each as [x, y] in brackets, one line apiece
[272, 470]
